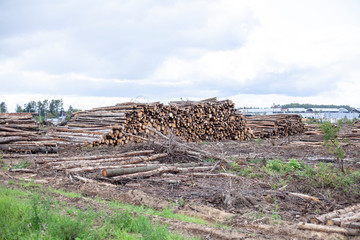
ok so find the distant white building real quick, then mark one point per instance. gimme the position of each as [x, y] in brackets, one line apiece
[296, 110]
[260, 111]
[323, 110]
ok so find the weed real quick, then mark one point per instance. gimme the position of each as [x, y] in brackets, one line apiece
[245, 171]
[275, 165]
[292, 165]
[22, 164]
[234, 166]
[258, 141]
[275, 212]
[332, 143]
[210, 160]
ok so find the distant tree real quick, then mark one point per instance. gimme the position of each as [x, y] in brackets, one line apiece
[308, 105]
[3, 107]
[56, 107]
[18, 109]
[30, 107]
[70, 111]
[43, 108]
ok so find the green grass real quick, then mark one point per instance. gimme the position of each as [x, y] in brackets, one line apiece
[325, 176]
[66, 194]
[26, 215]
[166, 213]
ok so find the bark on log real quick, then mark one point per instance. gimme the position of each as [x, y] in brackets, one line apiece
[328, 229]
[124, 171]
[96, 157]
[337, 213]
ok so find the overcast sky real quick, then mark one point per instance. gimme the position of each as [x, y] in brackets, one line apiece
[95, 53]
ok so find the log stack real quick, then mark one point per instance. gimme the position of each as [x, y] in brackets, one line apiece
[119, 167]
[279, 125]
[20, 133]
[346, 221]
[209, 119]
[86, 127]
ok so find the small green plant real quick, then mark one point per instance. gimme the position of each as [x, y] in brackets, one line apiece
[258, 141]
[332, 143]
[275, 212]
[245, 171]
[292, 165]
[210, 160]
[275, 165]
[234, 166]
[22, 164]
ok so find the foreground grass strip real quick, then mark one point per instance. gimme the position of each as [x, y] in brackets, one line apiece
[26, 215]
[166, 213]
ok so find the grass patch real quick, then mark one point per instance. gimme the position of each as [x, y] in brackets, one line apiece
[66, 194]
[166, 213]
[324, 176]
[34, 216]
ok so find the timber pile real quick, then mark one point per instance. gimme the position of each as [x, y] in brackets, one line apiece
[122, 166]
[86, 127]
[316, 135]
[20, 133]
[192, 121]
[345, 221]
[280, 125]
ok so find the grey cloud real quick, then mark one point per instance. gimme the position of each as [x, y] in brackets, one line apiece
[131, 38]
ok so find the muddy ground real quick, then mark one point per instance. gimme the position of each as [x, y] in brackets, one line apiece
[245, 204]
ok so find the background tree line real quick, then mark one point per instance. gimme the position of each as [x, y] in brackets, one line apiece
[53, 108]
[308, 105]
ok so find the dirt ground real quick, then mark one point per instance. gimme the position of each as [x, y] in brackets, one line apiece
[245, 204]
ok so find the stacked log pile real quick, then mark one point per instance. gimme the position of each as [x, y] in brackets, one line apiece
[86, 127]
[354, 135]
[19, 132]
[345, 221]
[315, 135]
[280, 125]
[122, 166]
[192, 121]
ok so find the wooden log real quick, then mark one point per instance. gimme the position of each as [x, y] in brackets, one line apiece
[123, 160]
[337, 213]
[328, 229]
[135, 169]
[124, 171]
[95, 157]
[158, 171]
[304, 196]
[12, 139]
[340, 222]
